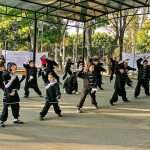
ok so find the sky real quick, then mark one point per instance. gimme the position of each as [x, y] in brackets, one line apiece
[72, 30]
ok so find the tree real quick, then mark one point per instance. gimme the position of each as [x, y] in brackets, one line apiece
[119, 23]
[101, 41]
[143, 38]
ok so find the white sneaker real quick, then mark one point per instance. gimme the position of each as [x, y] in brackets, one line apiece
[79, 110]
[73, 92]
[17, 121]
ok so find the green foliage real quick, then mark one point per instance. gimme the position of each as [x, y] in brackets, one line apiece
[102, 21]
[102, 41]
[72, 40]
[16, 33]
[143, 38]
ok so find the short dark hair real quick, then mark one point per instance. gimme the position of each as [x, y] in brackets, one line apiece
[31, 61]
[145, 61]
[10, 64]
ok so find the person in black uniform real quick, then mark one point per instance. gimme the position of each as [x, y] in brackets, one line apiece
[31, 79]
[127, 69]
[68, 68]
[23, 77]
[51, 64]
[143, 77]
[2, 60]
[80, 62]
[89, 86]
[98, 69]
[120, 82]
[42, 73]
[114, 64]
[71, 84]
[11, 97]
[2, 68]
[52, 96]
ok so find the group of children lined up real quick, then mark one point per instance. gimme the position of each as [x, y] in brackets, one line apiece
[10, 84]
[90, 73]
[121, 70]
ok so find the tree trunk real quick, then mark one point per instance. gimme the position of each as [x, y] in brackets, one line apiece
[114, 46]
[74, 51]
[63, 54]
[122, 22]
[88, 40]
[77, 41]
[121, 46]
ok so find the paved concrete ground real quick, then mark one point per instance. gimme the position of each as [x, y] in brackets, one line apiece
[122, 127]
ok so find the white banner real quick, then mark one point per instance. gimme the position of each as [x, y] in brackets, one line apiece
[133, 58]
[20, 57]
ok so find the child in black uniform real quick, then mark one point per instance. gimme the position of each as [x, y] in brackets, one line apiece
[68, 68]
[50, 67]
[90, 86]
[143, 77]
[11, 97]
[120, 82]
[2, 68]
[52, 96]
[31, 79]
[98, 69]
[71, 84]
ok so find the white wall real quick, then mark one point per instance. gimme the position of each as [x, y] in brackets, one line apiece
[20, 57]
[133, 58]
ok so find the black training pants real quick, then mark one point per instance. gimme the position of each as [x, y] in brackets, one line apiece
[35, 87]
[15, 108]
[144, 84]
[118, 93]
[85, 93]
[47, 107]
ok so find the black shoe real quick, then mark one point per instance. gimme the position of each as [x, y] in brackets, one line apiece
[101, 88]
[26, 96]
[97, 107]
[59, 115]
[111, 103]
[41, 118]
[2, 124]
[17, 121]
[126, 101]
[41, 96]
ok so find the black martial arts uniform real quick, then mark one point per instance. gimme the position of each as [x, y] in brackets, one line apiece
[42, 72]
[98, 69]
[143, 78]
[31, 80]
[1, 80]
[114, 64]
[120, 82]
[71, 84]
[79, 63]
[50, 68]
[52, 95]
[127, 69]
[89, 87]
[11, 97]
[68, 69]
